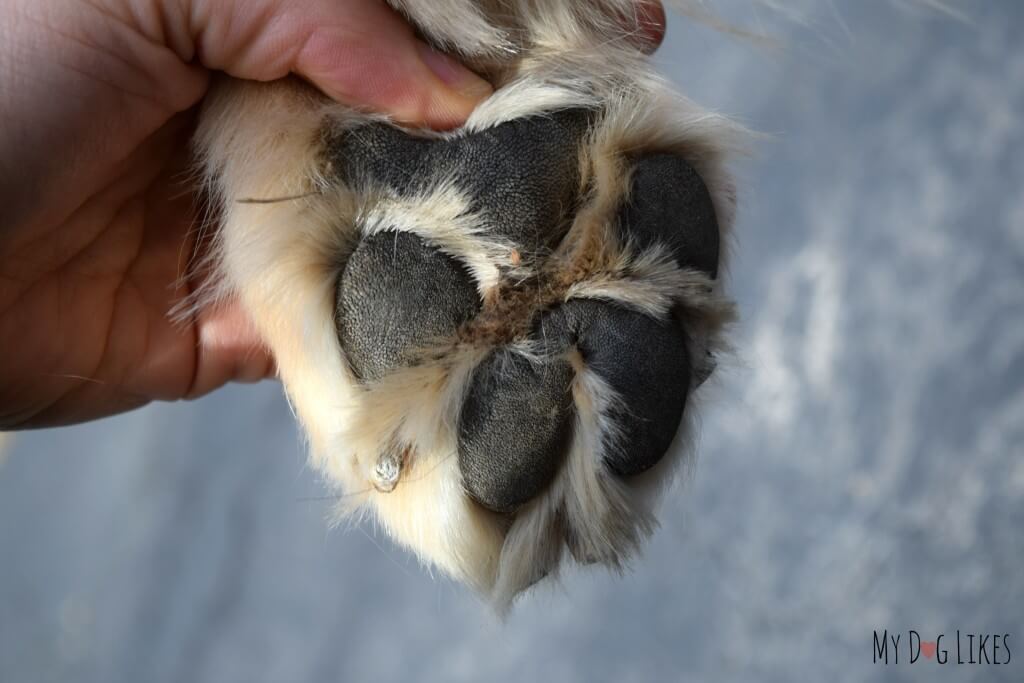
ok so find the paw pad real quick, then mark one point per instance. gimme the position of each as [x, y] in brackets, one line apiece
[395, 296]
[514, 427]
[670, 205]
[644, 362]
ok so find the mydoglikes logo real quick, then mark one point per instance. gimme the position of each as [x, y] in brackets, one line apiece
[962, 648]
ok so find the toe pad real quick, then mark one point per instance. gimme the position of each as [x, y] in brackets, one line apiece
[670, 205]
[514, 429]
[644, 361]
[396, 296]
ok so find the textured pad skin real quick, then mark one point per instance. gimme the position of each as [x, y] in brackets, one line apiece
[396, 296]
[514, 429]
[523, 174]
[669, 204]
[645, 362]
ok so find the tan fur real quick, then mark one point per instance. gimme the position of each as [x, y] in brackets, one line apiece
[393, 446]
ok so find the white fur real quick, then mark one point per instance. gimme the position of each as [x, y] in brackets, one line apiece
[280, 255]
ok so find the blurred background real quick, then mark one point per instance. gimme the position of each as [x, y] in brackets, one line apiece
[860, 465]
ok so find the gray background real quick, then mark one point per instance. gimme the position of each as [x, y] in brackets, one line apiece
[860, 466]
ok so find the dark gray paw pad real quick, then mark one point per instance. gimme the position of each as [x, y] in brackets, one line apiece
[523, 175]
[670, 205]
[644, 360]
[397, 296]
[514, 429]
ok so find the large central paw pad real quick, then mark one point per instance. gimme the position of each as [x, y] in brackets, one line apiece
[566, 278]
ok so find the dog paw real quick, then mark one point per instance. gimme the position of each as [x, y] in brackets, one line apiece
[493, 336]
[529, 331]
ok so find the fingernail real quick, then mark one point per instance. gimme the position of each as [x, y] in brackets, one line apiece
[646, 25]
[454, 75]
[651, 21]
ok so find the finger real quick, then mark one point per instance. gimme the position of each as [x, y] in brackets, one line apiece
[651, 18]
[359, 52]
[229, 350]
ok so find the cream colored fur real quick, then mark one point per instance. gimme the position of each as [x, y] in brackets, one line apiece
[285, 226]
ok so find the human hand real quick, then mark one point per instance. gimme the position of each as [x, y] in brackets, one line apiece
[100, 97]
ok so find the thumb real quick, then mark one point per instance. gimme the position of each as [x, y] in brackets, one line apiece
[359, 52]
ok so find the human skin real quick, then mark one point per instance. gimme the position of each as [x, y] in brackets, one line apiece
[99, 103]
